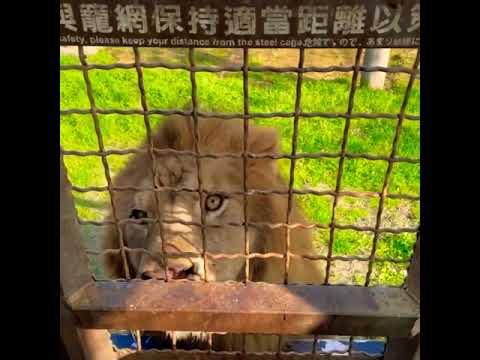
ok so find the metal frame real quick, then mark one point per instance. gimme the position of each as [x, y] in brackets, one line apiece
[285, 309]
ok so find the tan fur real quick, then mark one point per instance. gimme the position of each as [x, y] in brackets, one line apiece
[224, 175]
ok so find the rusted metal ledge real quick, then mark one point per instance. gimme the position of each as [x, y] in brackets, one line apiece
[255, 308]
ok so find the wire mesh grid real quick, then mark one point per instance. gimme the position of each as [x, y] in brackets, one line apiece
[293, 156]
[297, 114]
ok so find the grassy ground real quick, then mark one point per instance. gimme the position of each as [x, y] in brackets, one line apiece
[168, 89]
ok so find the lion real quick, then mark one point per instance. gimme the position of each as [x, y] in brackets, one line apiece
[219, 178]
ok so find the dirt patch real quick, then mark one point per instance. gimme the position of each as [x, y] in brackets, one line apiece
[271, 57]
[348, 272]
[398, 216]
[73, 50]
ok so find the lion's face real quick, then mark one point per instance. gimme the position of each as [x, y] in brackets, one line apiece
[180, 211]
[218, 176]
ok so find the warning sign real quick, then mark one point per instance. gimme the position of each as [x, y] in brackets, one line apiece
[241, 23]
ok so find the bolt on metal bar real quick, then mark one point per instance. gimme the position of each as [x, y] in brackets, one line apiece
[341, 161]
[298, 99]
[101, 147]
[148, 128]
[191, 59]
[388, 172]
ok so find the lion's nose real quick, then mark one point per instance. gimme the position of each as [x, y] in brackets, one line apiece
[173, 272]
[180, 272]
[147, 275]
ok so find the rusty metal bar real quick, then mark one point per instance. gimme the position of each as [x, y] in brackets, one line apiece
[148, 128]
[101, 148]
[251, 192]
[236, 68]
[230, 116]
[255, 224]
[298, 99]
[341, 161]
[74, 271]
[191, 59]
[388, 172]
[218, 255]
[246, 120]
[257, 308]
[319, 155]
[262, 224]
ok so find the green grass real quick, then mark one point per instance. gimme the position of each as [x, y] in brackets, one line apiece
[269, 92]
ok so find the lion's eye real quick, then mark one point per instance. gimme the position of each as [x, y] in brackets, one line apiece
[213, 202]
[138, 214]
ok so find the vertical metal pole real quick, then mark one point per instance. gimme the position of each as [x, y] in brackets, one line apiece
[375, 57]
[74, 272]
[74, 275]
[68, 334]
[413, 278]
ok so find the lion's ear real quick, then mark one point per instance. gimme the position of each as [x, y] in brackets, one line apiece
[262, 140]
[174, 133]
[262, 172]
